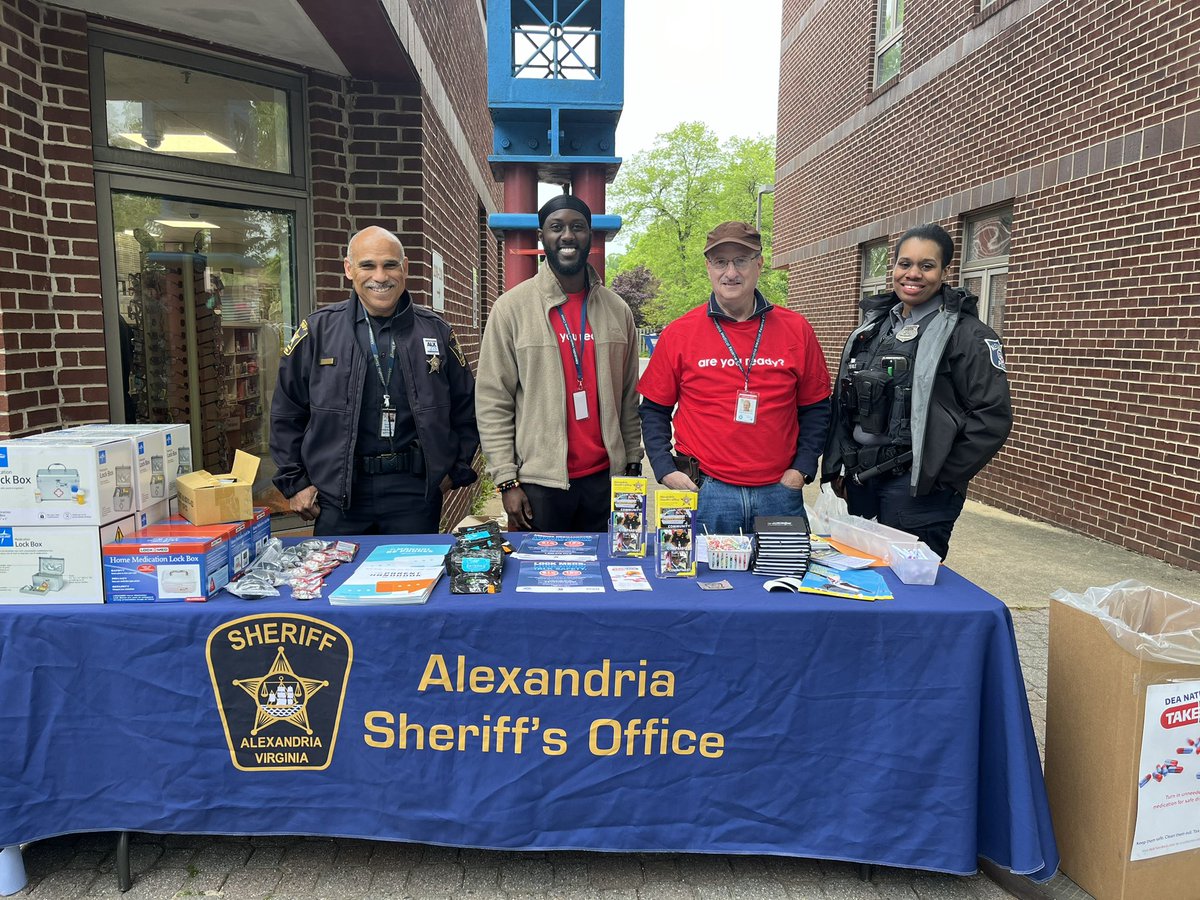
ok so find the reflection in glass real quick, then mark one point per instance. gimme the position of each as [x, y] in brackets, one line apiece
[155, 107]
[208, 298]
[989, 236]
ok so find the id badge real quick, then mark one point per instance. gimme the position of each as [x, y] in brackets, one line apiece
[387, 423]
[747, 408]
[579, 398]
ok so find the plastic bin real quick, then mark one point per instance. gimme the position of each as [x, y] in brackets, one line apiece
[914, 565]
[871, 537]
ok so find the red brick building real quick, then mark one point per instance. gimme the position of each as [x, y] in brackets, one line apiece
[1059, 142]
[178, 189]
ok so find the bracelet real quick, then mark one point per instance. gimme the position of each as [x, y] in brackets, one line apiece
[508, 485]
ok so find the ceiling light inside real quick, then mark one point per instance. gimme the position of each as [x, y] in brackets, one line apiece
[180, 143]
[188, 223]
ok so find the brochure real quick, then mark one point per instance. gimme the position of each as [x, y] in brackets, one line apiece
[676, 549]
[393, 573]
[853, 585]
[628, 578]
[562, 547]
[627, 521]
[560, 577]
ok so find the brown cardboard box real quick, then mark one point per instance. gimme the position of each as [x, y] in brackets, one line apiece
[1096, 704]
[207, 499]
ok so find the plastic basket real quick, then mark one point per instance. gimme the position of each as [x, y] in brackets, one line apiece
[730, 551]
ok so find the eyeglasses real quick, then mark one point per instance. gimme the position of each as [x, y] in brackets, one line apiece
[739, 262]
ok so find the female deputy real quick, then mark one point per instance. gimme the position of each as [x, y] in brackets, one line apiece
[921, 402]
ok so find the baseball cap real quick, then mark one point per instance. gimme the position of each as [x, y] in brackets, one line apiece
[734, 233]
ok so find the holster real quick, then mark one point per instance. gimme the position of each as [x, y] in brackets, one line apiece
[689, 466]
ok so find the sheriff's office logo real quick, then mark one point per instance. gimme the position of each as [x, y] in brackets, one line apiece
[457, 350]
[997, 354]
[300, 334]
[280, 681]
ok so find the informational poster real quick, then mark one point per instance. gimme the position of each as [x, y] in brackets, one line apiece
[560, 577]
[1168, 811]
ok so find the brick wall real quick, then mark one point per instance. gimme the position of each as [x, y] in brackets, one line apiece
[1085, 117]
[52, 359]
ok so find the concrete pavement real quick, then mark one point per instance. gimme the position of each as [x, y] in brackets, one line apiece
[1019, 561]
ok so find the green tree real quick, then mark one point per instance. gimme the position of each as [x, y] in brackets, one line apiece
[636, 286]
[672, 195]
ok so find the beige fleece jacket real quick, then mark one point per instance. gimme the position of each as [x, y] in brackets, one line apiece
[521, 393]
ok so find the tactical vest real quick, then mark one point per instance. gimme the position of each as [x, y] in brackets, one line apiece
[877, 388]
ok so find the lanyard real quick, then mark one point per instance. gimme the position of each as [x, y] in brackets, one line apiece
[745, 370]
[384, 379]
[576, 352]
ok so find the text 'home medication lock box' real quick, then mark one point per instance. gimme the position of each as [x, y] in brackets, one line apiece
[165, 569]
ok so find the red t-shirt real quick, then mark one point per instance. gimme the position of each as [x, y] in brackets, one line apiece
[692, 366]
[586, 454]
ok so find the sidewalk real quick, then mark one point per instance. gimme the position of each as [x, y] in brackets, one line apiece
[1019, 561]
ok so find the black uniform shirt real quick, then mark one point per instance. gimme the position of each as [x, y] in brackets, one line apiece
[387, 329]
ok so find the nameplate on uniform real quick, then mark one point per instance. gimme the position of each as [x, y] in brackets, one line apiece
[431, 346]
[327, 361]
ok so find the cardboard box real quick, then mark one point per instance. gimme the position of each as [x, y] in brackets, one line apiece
[46, 480]
[53, 565]
[165, 568]
[1095, 711]
[207, 499]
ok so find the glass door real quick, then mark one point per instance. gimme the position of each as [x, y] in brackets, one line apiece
[205, 298]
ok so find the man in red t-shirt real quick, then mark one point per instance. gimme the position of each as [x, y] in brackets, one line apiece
[750, 392]
[556, 398]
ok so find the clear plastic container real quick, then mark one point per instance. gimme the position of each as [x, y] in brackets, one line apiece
[914, 564]
[871, 537]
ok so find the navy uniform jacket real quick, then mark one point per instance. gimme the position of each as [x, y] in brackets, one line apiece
[314, 412]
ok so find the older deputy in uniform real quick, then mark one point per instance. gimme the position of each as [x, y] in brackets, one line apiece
[373, 417]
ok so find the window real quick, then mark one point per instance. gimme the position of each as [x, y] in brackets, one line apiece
[985, 263]
[179, 111]
[889, 40]
[875, 262]
[202, 204]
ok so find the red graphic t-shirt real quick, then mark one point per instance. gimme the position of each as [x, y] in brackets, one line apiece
[586, 454]
[692, 366]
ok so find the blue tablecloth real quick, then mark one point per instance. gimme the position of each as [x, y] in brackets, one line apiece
[737, 721]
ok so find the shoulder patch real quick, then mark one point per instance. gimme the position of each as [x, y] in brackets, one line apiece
[457, 350]
[301, 334]
[997, 354]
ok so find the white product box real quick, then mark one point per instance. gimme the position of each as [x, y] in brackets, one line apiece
[51, 565]
[178, 439]
[48, 480]
[152, 515]
[149, 443]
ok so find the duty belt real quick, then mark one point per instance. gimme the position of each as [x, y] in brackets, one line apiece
[408, 460]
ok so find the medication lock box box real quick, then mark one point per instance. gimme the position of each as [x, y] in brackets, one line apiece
[149, 445]
[253, 533]
[165, 569]
[44, 481]
[54, 565]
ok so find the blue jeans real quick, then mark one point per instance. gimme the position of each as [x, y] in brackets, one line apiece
[726, 508]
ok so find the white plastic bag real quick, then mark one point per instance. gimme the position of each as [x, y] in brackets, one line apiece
[829, 506]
